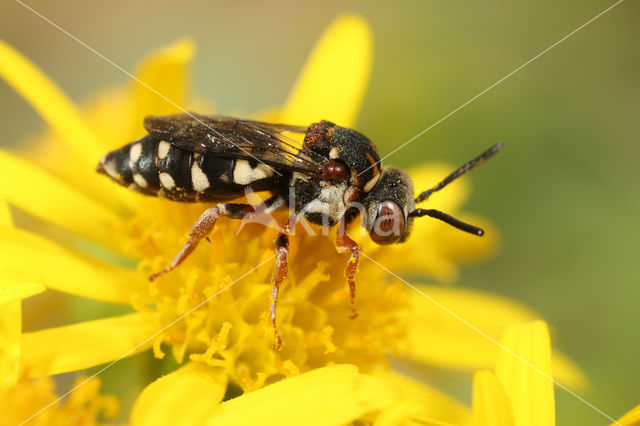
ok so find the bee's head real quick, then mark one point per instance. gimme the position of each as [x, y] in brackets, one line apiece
[390, 209]
[388, 206]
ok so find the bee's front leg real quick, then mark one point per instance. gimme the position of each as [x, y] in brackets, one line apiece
[345, 243]
[203, 227]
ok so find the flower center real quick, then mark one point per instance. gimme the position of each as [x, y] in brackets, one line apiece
[226, 298]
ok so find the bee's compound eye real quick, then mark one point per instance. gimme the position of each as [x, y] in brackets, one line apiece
[389, 224]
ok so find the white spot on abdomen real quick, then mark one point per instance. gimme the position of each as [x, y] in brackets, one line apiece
[109, 166]
[244, 174]
[198, 178]
[163, 149]
[140, 180]
[134, 153]
[166, 180]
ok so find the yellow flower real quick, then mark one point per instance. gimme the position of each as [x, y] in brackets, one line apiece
[211, 313]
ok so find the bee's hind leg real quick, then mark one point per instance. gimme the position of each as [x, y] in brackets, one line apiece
[202, 228]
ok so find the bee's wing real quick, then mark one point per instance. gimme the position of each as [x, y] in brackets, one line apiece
[233, 138]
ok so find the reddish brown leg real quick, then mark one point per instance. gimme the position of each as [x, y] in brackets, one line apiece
[343, 244]
[282, 267]
[202, 228]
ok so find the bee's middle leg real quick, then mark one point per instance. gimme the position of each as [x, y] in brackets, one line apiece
[279, 274]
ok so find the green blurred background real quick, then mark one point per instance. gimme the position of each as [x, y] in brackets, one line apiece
[564, 192]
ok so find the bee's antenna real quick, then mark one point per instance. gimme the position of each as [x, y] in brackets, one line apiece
[462, 170]
[456, 223]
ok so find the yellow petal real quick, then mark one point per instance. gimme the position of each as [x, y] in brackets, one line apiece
[5, 213]
[48, 198]
[66, 271]
[86, 344]
[631, 418]
[432, 405]
[166, 73]
[10, 329]
[437, 337]
[325, 396]
[79, 142]
[528, 384]
[335, 77]
[184, 397]
[50, 102]
[568, 372]
[491, 406]
[15, 286]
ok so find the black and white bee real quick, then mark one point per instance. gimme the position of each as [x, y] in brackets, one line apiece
[334, 177]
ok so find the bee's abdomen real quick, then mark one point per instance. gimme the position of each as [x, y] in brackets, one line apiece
[157, 167]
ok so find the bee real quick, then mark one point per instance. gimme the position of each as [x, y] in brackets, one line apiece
[332, 177]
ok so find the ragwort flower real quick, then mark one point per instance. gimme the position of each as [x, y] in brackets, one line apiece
[226, 341]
